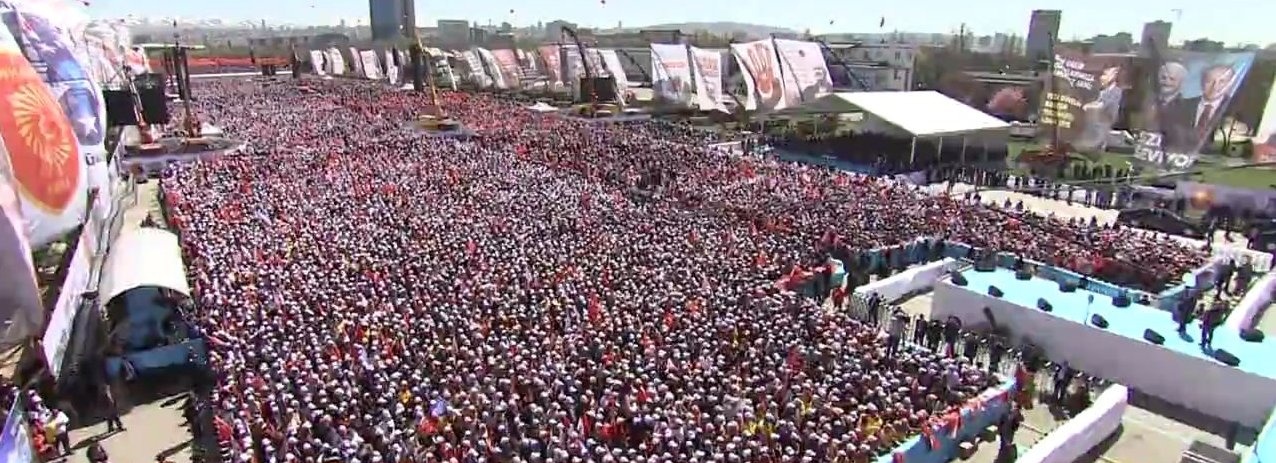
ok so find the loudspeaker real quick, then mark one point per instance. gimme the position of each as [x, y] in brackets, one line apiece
[604, 88]
[416, 68]
[1067, 287]
[1252, 335]
[1121, 300]
[1226, 357]
[1023, 275]
[994, 291]
[154, 105]
[1044, 305]
[1153, 337]
[149, 80]
[1099, 321]
[119, 108]
[958, 279]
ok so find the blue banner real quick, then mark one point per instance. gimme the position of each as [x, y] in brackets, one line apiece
[15, 443]
[1192, 94]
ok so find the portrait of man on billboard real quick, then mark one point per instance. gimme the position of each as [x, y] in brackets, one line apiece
[1188, 123]
[1102, 112]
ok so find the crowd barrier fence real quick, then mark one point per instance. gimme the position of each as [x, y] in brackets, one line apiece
[1074, 438]
[989, 409]
[1247, 312]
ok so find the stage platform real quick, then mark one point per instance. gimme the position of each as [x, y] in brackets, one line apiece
[1179, 370]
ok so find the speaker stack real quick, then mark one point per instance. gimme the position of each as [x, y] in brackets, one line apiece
[416, 67]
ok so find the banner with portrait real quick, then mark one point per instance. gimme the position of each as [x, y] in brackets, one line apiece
[761, 70]
[706, 67]
[553, 66]
[336, 63]
[317, 61]
[806, 74]
[1190, 97]
[671, 74]
[1083, 99]
[507, 61]
[478, 74]
[1265, 137]
[487, 62]
[573, 66]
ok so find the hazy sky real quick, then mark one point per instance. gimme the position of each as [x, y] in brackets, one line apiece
[1233, 21]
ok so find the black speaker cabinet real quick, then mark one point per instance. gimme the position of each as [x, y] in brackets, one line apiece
[269, 70]
[119, 108]
[417, 68]
[1099, 321]
[1153, 337]
[603, 88]
[1044, 305]
[154, 104]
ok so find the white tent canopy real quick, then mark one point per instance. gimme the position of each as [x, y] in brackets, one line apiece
[920, 114]
[541, 107]
[143, 257]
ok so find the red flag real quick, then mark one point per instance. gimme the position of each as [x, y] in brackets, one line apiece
[594, 307]
[668, 320]
[471, 247]
[693, 306]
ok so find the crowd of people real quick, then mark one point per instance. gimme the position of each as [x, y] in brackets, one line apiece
[554, 290]
[889, 155]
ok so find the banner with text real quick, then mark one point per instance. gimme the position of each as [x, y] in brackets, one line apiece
[707, 69]
[806, 74]
[371, 68]
[507, 60]
[1265, 138]
[1191, 94]
[761, 70]
[1083, 100]
[58, 333]
[573, 67]
[671, 74]
[553, 66]
[336, 64]
[391, 69]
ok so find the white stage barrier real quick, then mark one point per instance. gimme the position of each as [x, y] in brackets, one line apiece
[909, 281]
[1213, 388]
[1246, 312]
[1067, 443]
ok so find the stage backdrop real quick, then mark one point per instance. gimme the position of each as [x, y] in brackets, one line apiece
[1083, 99]
[1191, 93]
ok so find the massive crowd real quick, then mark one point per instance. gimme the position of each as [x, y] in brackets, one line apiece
[556, 291]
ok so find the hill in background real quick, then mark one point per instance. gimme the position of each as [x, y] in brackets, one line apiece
[723, 28]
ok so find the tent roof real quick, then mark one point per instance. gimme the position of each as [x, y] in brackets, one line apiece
[924, 113]
[143, 257]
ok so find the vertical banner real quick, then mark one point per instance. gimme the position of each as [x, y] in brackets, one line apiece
[338, 66]
[707, 70]
[368, 60]
[671, 74]
[1082, 100]
[51, 36]
[487, 61]
[1193, 91]
[612, 62]
[761, 70]
[1265, 138]
[40, 177]
[445, 67]
[507, 61]
[573, 66]
[391, 68]
[553, 66]
[356, 62]
[806, 74]
[15, 441]
[316, 62]
[477, 73]
[58, 333]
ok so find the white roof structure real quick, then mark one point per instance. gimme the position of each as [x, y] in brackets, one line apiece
[921, 114]
[143, 257]
[541, 107]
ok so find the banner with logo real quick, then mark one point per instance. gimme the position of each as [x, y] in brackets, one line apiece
[41, 182]
[1083, 99]
[707, 70]
[507, 61]
[337, 62]
[671, 74]
[371, 68]
[317, 61]
[761, 70]
[58, 333]
[611, 61]
[806, 74]
[51, 36]
[1265, 138]
[1192, 92]
[553, 66]
[15, 439]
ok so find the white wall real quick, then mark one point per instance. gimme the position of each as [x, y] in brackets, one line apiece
[1246, 312]
[1068, 442]
[908, 281]
[1213, 388]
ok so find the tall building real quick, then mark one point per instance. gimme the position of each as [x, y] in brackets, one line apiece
[1156, 36]
[554, 30]
[454, 31]
[1043, 30]
[391, 19]
[1121, 42]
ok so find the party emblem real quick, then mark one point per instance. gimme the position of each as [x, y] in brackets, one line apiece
[41, 145]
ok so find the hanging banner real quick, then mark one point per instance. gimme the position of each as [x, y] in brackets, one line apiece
[53, 173]
[316, 62]
[356, 63]
[507, 62]
[391, 68]
[1265, 138]
[337, 64]
[761, 71]
[58, 333]
[445, 68]
[573, 67]
[707, 69]
[553, 66]
[806, 74]
[1193, 91]
[368, 61]
[611, 61]
[15, 442]
[671, 74]
[1082, 100]
[489, 65]
[41, 175]
[106, 54]
[477, 73]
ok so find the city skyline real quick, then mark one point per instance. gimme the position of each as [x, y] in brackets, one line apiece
[1230, 21]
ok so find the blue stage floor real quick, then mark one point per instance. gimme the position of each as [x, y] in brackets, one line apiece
[1256, 357]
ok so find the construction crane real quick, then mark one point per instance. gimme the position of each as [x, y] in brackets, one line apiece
[594, 106]
[429, 72]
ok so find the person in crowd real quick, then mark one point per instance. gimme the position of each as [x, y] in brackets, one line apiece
[96, 453]
[370, 294]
